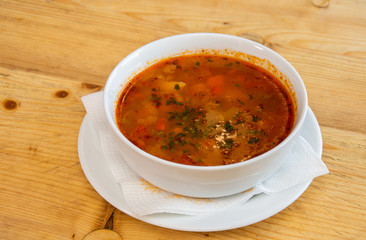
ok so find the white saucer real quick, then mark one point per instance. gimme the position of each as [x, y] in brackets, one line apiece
[256, 209]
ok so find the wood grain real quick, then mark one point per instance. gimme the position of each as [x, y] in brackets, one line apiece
[54, 52]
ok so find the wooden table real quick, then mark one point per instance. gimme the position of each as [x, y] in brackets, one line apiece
[54, 52]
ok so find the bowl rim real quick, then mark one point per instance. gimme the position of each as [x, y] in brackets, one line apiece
[300, 116]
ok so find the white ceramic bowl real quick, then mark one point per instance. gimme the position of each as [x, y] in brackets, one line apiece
[198, 181]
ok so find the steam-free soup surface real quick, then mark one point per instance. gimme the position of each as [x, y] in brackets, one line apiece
[205, 110]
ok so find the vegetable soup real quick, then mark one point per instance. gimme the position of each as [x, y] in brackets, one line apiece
[205, 110]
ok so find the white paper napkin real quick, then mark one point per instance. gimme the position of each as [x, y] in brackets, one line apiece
[144, 198]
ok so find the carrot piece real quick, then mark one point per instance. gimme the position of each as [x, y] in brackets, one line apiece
[216, 83]
[160, 124]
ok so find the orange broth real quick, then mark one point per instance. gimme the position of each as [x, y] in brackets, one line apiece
[205, 110]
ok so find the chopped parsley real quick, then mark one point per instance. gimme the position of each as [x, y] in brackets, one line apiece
[256, 119]
[238, 117]
[198, 160]
[253, 140]
[240, 101]
[172, 100]
[227, 144]
[155, 99]
[229, 127]
[188, 113]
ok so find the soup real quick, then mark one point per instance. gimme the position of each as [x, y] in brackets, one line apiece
[205, 110]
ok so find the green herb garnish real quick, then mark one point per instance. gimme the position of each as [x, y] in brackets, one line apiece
[227, 144]
[198, 160]
[229, 127]
[241, 102]
[172, 100]
[253, 140]
[255, 118]
[155, 99]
